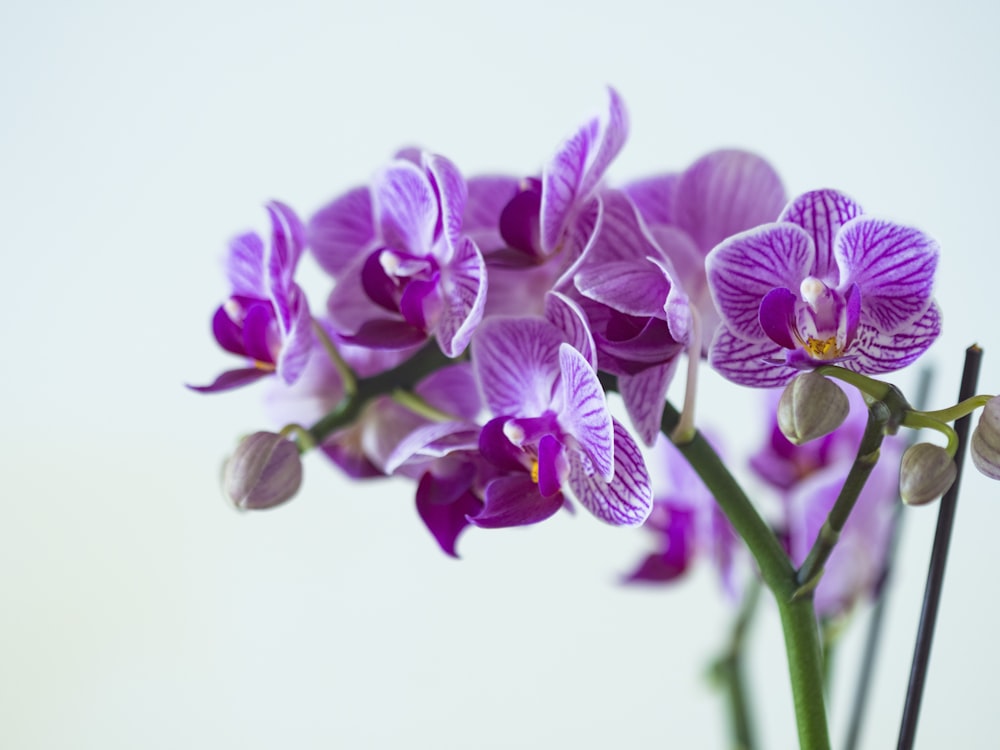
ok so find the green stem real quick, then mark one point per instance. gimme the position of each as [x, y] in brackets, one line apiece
[798, 615]
[868, 452]
[959, 410]
[730, 669]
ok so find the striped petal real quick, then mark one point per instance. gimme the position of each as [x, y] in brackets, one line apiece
[752, 363]
[516, 361]
[628, 498]
[894, 267]
[821, 213]
[744, 268]
[585, 413]
[876, 352]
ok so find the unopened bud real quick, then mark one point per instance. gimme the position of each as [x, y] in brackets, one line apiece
[264, 471]
[985, 443]
[925, 473]
[810, 407]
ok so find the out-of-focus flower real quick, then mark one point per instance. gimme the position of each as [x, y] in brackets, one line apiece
[985, 446]
[266, 318]
[551, 430]
[688, 213]
[824, 284]
[265, 471]
[404, 269]
[925, 473]
[687, 522]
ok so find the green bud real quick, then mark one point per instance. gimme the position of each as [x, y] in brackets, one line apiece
[925, 473]
[810, 407]
[265, 471]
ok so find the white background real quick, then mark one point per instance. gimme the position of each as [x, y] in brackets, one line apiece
[138, 611]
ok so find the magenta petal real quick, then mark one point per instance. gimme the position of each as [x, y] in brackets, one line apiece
[516, 361]
[876, 352]
[342, 230]
[644, 395]
[515, 501]
[821, 213]
[445, 519]
[654, 197]
[551, 465]
[726, 192]
[751, 363]
[227, 333]
[406, 207]
[231, 379]
[432, 441]
[288, 238]
[463, 297]
[746, 267]
[258, 332]
[386, 334]
[628, 498]
[777, 316]
[894, 267]
[585, 413]
[487, 196]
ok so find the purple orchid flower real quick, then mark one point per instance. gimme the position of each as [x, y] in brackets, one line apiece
[810, 477]
[721, 194]
[551, 430]
[547, 224]
[404, 269]
[639, 316]
[825, 284]
[688, 524]
[266, 318]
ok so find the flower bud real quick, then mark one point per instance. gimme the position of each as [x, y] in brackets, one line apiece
[810, 407]
[985, 445]
[925, 473]
[264, 471]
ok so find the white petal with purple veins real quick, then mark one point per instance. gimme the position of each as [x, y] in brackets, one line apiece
[644, 395]
[633, 287]
[749, 363]
[628, 498]
[463, 291]
[561, 180]
[567, 316]
[744, 268]
[614, 132]
[876, 352]
[821, 213]
[452, 191]
[245, 266]
[585, 413]
[894, 267]
[406, 207]
[516, 361]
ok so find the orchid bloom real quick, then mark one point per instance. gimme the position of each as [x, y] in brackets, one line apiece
[825, 284]
[687, 522]
[404, 269]
[266, 318]
[551, 430]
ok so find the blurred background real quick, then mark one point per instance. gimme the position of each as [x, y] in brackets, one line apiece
[138, 610]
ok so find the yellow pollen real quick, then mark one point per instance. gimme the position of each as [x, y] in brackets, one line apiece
[265, 366]
[822, 348]
[534, 470]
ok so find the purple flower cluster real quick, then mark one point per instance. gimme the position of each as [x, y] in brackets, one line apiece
[530, 287]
